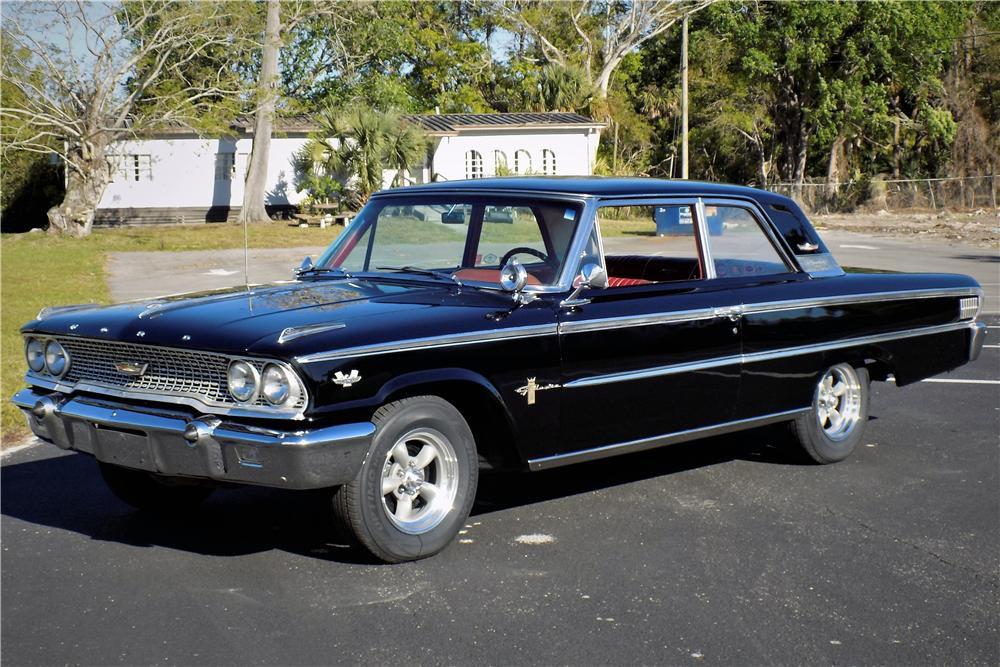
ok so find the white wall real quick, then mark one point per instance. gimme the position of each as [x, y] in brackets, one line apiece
[183, 169]
[574, 149]
[183, 174]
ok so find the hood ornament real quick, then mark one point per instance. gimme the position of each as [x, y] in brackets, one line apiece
[131, 368]
[347, 380]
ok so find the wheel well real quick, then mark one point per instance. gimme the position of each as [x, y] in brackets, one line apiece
[486, 416]
[874, 361]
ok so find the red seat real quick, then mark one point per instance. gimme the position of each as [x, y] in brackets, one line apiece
[614, 281]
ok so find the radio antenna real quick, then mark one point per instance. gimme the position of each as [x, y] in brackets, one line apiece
[246, 253]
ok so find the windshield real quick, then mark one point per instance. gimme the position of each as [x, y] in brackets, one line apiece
[458, 238]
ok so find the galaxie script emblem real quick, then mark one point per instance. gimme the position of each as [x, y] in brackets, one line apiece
[131, 368]
[346, 380]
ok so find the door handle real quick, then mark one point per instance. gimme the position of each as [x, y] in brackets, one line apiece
[734, 313]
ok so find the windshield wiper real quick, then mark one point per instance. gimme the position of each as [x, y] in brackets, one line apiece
[423, 272]
[314, 270]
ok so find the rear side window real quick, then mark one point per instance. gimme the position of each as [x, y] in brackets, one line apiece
[739, 245]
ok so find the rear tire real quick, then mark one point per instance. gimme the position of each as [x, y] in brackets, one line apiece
[835, 425]
[417, 484]
[146, 491]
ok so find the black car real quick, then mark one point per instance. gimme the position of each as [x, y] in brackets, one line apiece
[421, 347]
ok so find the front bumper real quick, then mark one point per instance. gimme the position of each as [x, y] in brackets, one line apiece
[976, 340]
[172, 443]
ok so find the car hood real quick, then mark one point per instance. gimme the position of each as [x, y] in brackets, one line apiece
[279, 319]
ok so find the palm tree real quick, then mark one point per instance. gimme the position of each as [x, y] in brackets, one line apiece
[405, 146]
[357, 145]
[564, 88]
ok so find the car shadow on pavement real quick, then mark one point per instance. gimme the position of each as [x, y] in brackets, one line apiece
[66, 492]
[993, 258]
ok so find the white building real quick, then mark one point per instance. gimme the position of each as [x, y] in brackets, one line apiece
[177, 176]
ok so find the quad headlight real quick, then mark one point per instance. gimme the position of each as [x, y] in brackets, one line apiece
[276, 385]
[56, 359]
[34, 352]
[244, 381]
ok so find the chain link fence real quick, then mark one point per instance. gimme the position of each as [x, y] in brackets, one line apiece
[956, 194]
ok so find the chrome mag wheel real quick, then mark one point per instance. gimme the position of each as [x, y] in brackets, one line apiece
[419, 481]
[838, 402]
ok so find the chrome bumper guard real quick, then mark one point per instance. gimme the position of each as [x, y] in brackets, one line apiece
[171, 443]
[976, 340]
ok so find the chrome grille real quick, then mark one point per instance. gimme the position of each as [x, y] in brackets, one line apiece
[173, 372]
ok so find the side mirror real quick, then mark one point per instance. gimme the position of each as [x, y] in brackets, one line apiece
[592, 276]
[306, 264]
[513, 276]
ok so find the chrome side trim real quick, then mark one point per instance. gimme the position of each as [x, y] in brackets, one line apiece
[897, 295]
[656, 371]
[768, 355]
[291, 333]
[660, 440]
[637, 320]
[772, 306]
[853, 342]
[447, 340]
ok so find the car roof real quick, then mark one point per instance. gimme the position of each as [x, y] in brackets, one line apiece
[596, 186]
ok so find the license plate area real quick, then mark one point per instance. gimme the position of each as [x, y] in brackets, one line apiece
[123, 447]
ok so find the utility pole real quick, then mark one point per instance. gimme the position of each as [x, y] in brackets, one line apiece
[684, 98]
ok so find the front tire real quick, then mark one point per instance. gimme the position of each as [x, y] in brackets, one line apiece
[835, 425]
[416, 487]
[146, 491]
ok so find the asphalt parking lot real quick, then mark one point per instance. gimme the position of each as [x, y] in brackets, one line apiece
[724, 551]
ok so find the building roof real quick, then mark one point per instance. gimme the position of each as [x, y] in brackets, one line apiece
[452, 123]
[598, 186]
[448, 124]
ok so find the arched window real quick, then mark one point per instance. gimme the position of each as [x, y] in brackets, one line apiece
[522, 162]
[500, 163]
[473, 164]
[548, 162]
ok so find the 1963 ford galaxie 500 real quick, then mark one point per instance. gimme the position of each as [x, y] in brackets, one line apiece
[501, 322]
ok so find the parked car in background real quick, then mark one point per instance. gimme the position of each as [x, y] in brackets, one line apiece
[426, 343]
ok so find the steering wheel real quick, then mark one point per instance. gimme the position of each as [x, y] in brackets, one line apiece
[516, 251]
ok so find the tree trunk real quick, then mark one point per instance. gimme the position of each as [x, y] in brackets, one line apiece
[267, 93]
[802, 154]
[833, 168]
[74, 216]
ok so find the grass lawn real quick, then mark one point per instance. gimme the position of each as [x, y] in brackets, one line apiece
[38, 270]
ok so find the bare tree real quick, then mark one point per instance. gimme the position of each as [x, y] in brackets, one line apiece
[90, 74]
[595, 35]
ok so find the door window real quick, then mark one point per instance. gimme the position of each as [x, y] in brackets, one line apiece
[739, 245]
[649, 244]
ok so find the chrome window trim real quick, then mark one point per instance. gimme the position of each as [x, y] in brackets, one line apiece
[47, 381]
[768, 355]
[707, 262]
[652, 442]
[445, 340]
